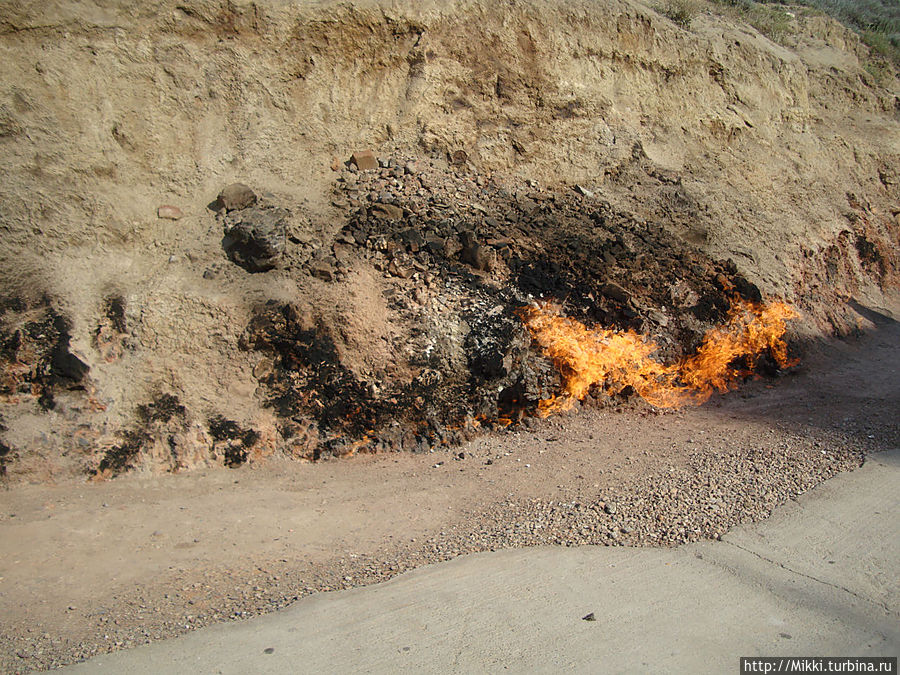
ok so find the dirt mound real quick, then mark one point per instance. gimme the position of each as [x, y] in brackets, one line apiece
[637, 173]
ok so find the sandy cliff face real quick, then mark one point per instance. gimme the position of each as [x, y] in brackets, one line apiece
[125, 334]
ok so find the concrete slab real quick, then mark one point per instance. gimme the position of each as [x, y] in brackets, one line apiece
[820, 577]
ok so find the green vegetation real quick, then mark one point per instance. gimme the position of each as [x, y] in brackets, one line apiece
[772, 19]
[876, 21]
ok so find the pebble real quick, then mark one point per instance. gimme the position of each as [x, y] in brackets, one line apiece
[168, 212]
[236, 196]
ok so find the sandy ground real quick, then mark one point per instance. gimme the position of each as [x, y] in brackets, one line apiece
[91, 567]
[817, 577]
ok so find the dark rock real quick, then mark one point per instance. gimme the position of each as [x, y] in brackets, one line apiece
[398, 270]
[527, 205]
[746, 289]
[589, 617]
[615, 292]
[237, 196]
[7, 454]
[364, 160]
[63, 362]
[437, 246]
[413, 239]
[495, 343]
[322, 270]
[255, 237]
[474, 254]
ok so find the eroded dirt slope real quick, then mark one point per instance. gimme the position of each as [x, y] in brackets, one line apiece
[634, 171]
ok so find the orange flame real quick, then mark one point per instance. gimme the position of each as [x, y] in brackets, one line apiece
[619, 359]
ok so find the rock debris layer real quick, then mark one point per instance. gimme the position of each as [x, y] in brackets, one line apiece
[592, 153]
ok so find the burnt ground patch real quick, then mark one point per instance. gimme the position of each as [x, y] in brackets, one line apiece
[110, 337]
[308, 382]
[114, 311]
[7, 452]
[461, 255]
[157, 424]
[162, 409]
[235, 442]
[35, 354]
[124, 455]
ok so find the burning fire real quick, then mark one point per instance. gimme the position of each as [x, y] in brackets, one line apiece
[619, 359]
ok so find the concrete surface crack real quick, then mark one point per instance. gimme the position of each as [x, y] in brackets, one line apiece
[880, 604]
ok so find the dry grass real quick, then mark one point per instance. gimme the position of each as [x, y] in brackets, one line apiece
[681, 12]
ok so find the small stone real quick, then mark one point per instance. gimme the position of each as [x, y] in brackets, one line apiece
[436, 245]
[169, 212]
[459, 157]
[255, 237]
[364, 160]
[413, 239]
[263, 369]
[386, 211]
[400, 271]
[237, 196]
[610, 508]
[614, 291]
[474, 254]
[269, 650]
[343, 253]
[580, 189]
[322, 270]
[658, 317]
[589, 617]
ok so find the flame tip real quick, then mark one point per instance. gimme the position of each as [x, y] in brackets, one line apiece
[619, 359]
